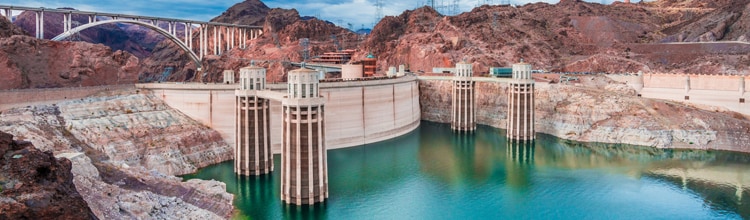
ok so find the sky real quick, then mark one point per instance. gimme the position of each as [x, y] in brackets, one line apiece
[359, 13]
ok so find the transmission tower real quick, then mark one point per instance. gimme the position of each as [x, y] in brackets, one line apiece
[444, 7]
[485, 2]
[494, 20]
[304, 43]
[378, 11]
[336, 42]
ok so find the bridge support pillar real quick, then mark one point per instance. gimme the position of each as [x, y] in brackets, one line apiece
[232, 43]
[304, 170]
[67, 22]
[187, 42]
[252, 155]
[189, 36]
[227, 38]
[40, 24]
[202, 38]
[520, 125]
[9, 14]
[463, 111]
[243, 40]
[174, 29]
[216, 41]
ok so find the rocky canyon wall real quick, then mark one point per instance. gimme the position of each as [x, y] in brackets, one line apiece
[121, 165]
[36, 63]
[599, 112]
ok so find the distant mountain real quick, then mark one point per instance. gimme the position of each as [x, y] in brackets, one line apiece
[249, 12]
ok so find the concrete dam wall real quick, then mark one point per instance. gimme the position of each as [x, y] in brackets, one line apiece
[711, 91]
[356, 112]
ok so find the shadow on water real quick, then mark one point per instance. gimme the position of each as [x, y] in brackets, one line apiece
[433, 172]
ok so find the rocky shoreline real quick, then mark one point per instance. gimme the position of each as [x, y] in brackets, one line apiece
[601, 110]
[121, 167]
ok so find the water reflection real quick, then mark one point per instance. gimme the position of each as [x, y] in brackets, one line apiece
[304, 211]
[255, 190]
[519, 162]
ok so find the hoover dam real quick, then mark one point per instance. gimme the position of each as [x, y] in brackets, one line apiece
[574, 110]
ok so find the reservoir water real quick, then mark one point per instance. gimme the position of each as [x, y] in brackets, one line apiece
[434, 173]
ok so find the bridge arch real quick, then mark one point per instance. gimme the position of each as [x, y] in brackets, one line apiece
[169, 36]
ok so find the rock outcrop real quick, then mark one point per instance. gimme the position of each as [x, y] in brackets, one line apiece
[121, 167]
[108, 124]
[569, 36]
[727, 20]
[36, 185]
[34, 63]
[248, 12]
[7, 28]
[599, 112]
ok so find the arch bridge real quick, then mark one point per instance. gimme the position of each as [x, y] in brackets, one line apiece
[224, 37]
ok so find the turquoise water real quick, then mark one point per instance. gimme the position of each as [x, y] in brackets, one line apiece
[433, 173]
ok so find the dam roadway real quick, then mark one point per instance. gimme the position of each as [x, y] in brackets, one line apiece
[357, 112]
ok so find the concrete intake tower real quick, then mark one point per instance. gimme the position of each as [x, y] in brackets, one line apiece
[304, 169]
[520, 124]
[463, 111]
[252, 153]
